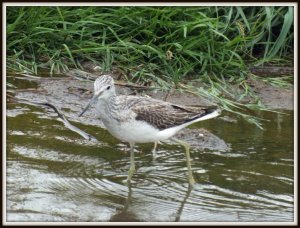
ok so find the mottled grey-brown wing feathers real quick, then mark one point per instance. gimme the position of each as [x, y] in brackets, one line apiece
[163, 115]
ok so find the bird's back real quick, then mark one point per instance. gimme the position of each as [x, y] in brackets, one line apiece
[157, 113]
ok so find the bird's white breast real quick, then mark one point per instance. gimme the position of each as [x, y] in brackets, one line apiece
[133, 131]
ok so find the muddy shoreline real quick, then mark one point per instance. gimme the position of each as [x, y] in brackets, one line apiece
[272, 97]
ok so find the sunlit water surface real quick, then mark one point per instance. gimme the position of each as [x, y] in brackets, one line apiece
[55, 175]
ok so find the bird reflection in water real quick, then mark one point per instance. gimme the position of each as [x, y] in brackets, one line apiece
[124, 215]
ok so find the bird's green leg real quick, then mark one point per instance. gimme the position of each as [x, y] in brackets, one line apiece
[154, 150]
[188, 160]
[132, 165]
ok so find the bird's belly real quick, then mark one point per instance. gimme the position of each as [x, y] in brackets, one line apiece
[134, 131]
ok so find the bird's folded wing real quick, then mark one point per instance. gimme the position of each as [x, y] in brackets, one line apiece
[163, 115]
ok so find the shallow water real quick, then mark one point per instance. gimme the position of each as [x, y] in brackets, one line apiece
[55, 175]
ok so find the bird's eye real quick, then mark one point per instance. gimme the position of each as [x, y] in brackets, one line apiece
[108, 87]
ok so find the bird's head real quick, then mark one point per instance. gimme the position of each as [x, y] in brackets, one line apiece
[103, 89]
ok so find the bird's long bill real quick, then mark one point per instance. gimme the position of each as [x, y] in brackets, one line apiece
[93, 99]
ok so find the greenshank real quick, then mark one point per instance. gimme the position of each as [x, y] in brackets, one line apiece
[138, 119]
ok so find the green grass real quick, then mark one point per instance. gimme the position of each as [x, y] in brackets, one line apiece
[166, 45]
